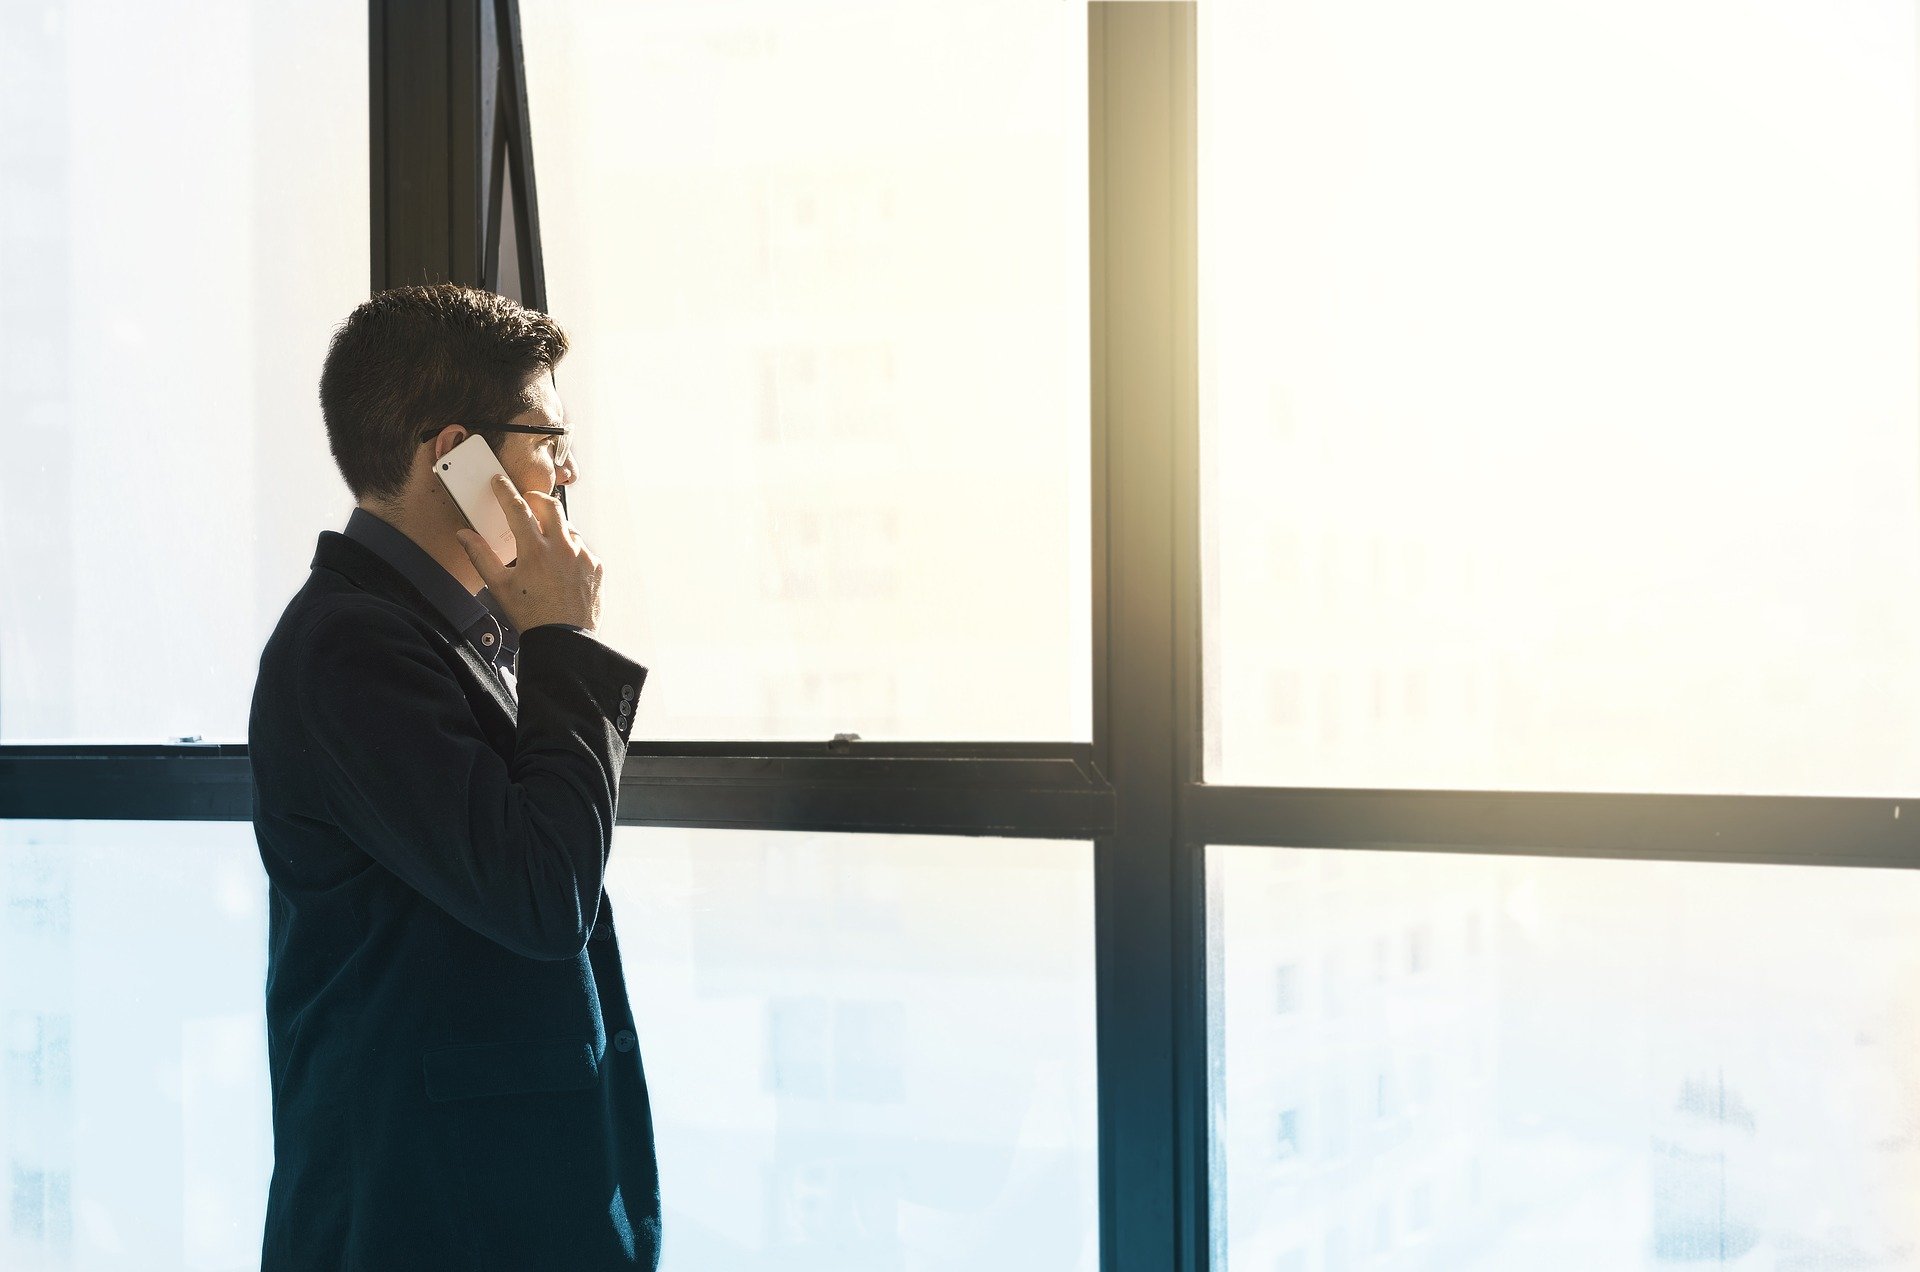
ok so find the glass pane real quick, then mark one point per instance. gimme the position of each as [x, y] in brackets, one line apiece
[826, 268]
[1559, 387]
[185, 220]
[1474, 1063]
[865, 1052]
[135, 1115]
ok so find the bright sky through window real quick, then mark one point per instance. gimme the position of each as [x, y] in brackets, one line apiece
[1559, 389]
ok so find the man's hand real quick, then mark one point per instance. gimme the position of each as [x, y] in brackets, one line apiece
[555, 580]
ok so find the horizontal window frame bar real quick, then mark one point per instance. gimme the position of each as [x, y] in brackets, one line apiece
[1042, 790]
[1025, 790]
[852, 748]
[1796, 830]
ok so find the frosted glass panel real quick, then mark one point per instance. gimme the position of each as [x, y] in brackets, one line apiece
[825, 267]
[1486, 1064]
[1559, 370]
[185, 220]
[865, 1053]
[135, 1113]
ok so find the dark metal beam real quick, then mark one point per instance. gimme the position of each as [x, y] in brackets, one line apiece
[118, 783]
[1781, 830]
[518, 146]
[432, 118]
[1041, 790]
[1027, 790]
[1150, 941]
[1013, 789]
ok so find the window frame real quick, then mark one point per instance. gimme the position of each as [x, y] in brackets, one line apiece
[452, 159]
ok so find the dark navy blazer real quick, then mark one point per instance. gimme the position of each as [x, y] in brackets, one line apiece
[456, 1073]
[478, 618]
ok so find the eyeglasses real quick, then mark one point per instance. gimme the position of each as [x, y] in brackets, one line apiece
[562, 448]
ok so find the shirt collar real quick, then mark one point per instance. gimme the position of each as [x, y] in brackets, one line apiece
[447, 594]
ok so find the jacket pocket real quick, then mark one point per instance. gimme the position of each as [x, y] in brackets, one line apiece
[506, 1068]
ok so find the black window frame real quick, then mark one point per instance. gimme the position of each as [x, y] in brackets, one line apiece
[452, 157]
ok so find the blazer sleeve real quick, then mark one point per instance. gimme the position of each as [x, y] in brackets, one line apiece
[514, 847]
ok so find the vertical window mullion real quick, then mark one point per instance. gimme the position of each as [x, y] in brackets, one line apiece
[1150, 929]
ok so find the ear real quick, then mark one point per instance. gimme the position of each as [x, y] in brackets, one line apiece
[448, 438]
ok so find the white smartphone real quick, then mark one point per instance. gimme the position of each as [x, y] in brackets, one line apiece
[467, 472]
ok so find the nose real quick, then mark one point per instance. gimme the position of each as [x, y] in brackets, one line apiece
[567, 473]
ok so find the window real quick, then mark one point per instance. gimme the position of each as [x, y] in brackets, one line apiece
[1335, 1119]
[799, 1047]
[826, 271]
[1557, 438]
[1287, 1143]
[1338, 1250]
[1286, 998]
[1420, 1207]
[39, 1213]
[37, 891]
[907, 1084]
[1554, 438]
[1420, 1080]
[1666, 1083]
[186, 221]
[843, 1050]
[134, 1047]
[39, 1054]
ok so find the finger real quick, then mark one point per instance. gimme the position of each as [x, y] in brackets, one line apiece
[485, 560]
[526, 527]
[547, 510]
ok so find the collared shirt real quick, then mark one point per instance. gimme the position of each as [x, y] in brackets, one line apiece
[478, 618]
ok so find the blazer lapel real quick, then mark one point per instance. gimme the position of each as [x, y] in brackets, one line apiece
[367, 571]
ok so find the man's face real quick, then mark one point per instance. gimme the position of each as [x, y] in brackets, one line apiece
[528, 457]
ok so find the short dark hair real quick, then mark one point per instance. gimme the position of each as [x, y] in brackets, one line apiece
[417, 356]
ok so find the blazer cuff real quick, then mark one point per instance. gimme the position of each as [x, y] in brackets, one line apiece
[556, 654]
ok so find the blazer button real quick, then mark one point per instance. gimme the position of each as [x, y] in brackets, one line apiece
[626, 691]
[601, 932]
[625, 1040]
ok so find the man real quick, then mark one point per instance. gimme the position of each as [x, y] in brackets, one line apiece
[456, 1074]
